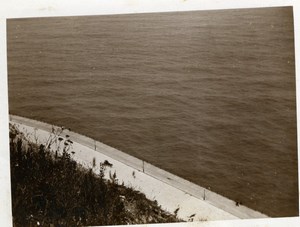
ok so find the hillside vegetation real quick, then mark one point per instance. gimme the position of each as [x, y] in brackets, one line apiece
[50, 189]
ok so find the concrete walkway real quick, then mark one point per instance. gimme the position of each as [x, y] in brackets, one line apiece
[195, 203]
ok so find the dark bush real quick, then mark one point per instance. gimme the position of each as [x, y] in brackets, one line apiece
[49, 189]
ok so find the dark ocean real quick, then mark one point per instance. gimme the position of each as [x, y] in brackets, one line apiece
[206, 95]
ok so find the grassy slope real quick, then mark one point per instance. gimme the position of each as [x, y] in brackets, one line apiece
[53, 190]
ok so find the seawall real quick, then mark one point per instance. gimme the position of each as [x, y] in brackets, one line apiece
[171, 192]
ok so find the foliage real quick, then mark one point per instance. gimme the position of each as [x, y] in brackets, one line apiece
[51, 189]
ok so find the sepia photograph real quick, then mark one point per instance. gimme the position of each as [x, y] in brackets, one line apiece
[158, 117]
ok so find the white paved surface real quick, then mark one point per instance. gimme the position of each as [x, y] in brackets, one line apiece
[170, 191]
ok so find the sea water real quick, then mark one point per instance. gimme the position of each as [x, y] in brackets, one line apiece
[206, 95]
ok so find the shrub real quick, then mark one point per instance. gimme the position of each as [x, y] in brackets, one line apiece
[51, 189]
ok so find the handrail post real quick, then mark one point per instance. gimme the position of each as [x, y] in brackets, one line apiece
[143, 166]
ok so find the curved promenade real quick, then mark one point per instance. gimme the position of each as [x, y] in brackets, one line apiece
[195, 203]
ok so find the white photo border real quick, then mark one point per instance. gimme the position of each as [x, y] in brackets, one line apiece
[54, 8]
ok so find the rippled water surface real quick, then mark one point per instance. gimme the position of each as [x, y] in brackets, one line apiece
[207, 95]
